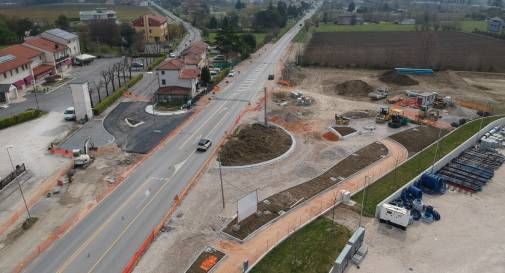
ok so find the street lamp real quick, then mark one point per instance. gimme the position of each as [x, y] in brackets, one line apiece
[19, 184]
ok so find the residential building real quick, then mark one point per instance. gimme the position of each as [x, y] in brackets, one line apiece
[178, 81]
[97, 15]
[8, 92]
[16, 63]
[155, 28]
[195, 54]
[55, 54]
[66, 38]
[495, 25]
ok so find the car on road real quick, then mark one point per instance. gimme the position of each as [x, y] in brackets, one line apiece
[137, 65]
[231, 74]
[69, 113]
[203, 145]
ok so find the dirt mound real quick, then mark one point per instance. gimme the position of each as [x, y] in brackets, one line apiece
[353, 88]
[359, 114]
[395, 78]
[253, 144]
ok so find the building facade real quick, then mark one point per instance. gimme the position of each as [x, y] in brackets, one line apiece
[97, 15]
[495, 25]
[155, 28]
[55, 54]
[68, 39]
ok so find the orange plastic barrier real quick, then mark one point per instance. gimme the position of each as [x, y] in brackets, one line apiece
[208, 263]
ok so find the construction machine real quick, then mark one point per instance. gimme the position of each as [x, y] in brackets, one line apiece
[341, 120]
[379, 93]
[426, 113]
[81, 157]
[383, 115]
[397, 119]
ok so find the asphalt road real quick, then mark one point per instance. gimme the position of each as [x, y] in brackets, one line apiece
[107, 238]
[149, 132]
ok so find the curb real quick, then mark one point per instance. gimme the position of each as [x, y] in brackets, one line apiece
[273, 160]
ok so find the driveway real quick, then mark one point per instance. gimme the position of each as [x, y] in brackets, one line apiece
[61, 98]
[149, 131]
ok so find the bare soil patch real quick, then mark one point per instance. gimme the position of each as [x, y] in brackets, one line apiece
[206, 261]
[353, 88]
[392, 77]
[344, 130]
[359, 114]
[418, 138]
[281, 202]
[440, 50]
[254, 143]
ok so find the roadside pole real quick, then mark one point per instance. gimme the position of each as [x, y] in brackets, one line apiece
[363, 200]
[221, 177]
[266, 120]
[19, 185]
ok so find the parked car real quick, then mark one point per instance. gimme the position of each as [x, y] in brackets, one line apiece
[231, 74]
[69, 113]
[203, 145]
[137, 65]
[172, 55]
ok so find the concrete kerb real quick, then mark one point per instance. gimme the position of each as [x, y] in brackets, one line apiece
[444, 160]
[149, 110]
[269, 223]
[271, 161]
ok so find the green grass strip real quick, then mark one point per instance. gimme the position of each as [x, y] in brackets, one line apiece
[313, 249]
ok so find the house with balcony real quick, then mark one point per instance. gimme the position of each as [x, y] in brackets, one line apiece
[154, 28]
[55, 54]
[178, 82]
[20, 65]
[63, 37]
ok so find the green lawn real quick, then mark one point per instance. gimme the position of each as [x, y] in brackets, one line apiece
[365, 27]
[391, 182]
[260, 37]
[470, 26]
[49, 13]
[312, 249]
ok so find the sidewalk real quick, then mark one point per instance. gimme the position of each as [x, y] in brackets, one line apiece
[266, 239]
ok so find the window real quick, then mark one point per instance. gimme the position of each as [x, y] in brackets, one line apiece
[150, 31]
[162, 72]
[17, 70]
[5, 75]
[163, 82]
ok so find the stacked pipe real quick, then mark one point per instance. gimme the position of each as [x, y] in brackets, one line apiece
[472, 169]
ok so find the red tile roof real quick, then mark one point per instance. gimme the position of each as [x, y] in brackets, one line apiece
[189, 73]
[22, 56]
[192, 59]
[45, 44]
[195, 48]
[154, 20]
[42, 69]
[174, 90]
[173, 64]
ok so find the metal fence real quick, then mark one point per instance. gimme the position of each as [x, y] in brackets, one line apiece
[20, 169]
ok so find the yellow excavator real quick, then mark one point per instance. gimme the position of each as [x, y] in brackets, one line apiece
[341, 120]
[383, 115]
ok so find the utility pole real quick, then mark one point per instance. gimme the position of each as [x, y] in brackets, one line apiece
[436, 150]
[266, 121]
[19, 185]
[221, 177]
[363, 201]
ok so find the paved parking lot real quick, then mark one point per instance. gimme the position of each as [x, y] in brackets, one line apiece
[149, 131]
[61, 98]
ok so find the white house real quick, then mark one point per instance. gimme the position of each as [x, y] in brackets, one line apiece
[65, 38]
[177, 81]
[55, 54]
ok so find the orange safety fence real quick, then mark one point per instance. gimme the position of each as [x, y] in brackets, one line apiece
[130, 266]
[59, 151]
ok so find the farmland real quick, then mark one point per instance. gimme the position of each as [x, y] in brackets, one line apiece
[49, 13]
[439, 50]
[466, 26]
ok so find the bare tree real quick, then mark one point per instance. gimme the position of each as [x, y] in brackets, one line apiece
[106, 80]
[117, 69]
[110, 71]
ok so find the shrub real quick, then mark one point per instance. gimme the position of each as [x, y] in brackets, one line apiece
[27, 115]
[156, 62]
